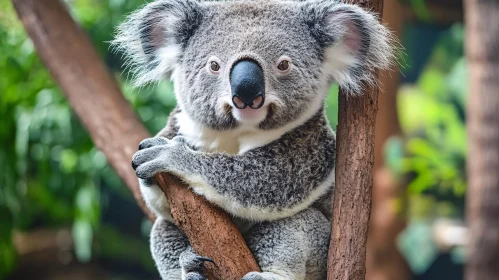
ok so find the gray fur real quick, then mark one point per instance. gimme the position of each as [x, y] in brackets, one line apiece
[281, 247]
[276, 176]
[168, 243]
[272, 179]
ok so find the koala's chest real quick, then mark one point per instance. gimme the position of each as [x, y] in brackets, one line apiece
[236, 141]
[209, 141]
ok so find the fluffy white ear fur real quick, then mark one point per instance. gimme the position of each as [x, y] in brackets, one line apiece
[149, 39]
[361, 45]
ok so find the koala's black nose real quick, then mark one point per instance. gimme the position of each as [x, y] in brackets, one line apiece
[247, 84]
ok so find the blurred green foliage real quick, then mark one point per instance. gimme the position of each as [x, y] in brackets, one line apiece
[431, 156]
[432, 117]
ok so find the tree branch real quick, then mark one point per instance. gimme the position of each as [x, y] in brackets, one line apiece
[354, 178]
[116, 131]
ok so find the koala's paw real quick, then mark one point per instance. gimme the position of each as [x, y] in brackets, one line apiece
[148, 143]
[151, 142]
[156, 155]
[193, 265]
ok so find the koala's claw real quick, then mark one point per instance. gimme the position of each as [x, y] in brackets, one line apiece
[193, 264]
[134, 165]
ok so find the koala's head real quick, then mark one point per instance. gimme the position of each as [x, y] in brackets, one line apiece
[257, 63]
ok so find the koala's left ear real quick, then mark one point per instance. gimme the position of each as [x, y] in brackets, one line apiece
[353, 40]
[153, 38]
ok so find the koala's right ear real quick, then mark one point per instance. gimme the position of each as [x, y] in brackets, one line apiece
[353, 40]
[153, 37]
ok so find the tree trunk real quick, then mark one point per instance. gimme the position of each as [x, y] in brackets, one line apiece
[354, 178]
[384, 260]
[482, 51]
[115, 129]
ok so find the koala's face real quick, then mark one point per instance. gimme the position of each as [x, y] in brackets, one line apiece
[249, 63]
[255, 63]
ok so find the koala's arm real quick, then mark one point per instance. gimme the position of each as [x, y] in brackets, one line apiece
[270, 182]
[171, 128]
[151, 193]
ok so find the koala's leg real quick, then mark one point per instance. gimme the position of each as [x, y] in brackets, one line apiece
[293, 248]
[167, 244]
[173, 254]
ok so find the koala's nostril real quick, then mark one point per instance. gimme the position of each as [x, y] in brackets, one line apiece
[258, 102]
[238, 102]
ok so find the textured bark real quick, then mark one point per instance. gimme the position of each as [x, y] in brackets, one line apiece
[482, 51]
[116, 131]
[384, 260]
[354, 178]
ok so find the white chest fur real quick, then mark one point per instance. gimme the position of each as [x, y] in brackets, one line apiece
[234, 141]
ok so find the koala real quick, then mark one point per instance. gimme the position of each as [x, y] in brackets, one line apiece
[249, 133]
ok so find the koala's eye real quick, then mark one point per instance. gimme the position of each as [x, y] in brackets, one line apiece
[283, 65]
[214, 66]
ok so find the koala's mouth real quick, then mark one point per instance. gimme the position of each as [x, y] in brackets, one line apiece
[250, 116]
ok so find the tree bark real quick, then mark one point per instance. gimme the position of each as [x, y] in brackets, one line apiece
[116, 131]
[482, 51]
[354, 177]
